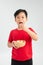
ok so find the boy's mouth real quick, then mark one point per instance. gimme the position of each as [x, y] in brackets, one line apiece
[20, 22]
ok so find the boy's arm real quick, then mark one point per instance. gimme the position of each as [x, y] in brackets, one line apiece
[31, 33]
[12, 44]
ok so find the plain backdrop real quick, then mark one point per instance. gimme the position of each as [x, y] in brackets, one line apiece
[7, 23]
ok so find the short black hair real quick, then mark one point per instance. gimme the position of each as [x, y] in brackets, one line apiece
[20, 10]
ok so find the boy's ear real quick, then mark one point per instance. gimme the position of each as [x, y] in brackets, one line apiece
[27, 18]
[15, 19]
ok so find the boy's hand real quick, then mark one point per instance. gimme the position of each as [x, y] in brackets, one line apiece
[14, 44]
[19, 43]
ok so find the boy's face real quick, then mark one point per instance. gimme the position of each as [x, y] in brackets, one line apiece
[21, 18]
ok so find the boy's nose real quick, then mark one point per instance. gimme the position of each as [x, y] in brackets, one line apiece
[20, 20]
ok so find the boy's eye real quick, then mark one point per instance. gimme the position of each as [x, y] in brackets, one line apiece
[22, 17]
[18, 17]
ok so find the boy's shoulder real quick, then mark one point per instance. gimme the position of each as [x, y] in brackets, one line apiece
[30, 28]
[12, 30]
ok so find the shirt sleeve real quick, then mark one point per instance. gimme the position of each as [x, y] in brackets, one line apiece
[10, 37]
[32, 30]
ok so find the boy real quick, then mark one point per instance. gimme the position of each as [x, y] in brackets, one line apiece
[21, 54]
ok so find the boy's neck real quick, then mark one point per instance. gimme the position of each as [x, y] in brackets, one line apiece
[20, 27]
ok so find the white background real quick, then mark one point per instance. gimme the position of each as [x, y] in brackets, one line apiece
[35, 20]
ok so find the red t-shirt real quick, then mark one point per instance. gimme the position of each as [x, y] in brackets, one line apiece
[25, 52]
